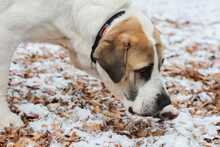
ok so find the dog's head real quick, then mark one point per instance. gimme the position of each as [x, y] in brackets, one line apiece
[129, 57]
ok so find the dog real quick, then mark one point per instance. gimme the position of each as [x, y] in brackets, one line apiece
[111, 39]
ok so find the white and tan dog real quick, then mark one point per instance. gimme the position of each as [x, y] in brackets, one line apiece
[126, 54]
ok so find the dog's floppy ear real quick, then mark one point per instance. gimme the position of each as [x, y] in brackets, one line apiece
[111, 55]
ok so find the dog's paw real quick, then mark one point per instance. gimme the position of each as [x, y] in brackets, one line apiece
[9, 119]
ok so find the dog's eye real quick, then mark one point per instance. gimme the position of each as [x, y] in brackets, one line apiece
[161, 63]
[145, 73]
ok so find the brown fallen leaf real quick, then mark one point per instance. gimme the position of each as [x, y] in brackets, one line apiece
[192, 48]
[138, 128]
[93, 127]
[216, 77]
[217, 99]
[23, 142]
[216, 89]
[118, 145]
[190, 73]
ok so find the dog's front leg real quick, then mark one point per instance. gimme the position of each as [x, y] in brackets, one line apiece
[8, 43]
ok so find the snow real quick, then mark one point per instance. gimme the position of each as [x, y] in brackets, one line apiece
[105, 139]
[31, 109]
[46, 88]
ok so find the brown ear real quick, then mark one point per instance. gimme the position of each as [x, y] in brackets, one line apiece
[111, 57]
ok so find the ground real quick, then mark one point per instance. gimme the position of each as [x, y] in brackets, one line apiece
[62, 106]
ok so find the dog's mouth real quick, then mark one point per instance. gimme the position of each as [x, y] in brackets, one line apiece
[168, 113]
[156, 115]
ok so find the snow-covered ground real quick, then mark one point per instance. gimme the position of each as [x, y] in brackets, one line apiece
[62, 106]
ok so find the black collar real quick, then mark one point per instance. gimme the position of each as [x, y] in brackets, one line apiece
[101, 33]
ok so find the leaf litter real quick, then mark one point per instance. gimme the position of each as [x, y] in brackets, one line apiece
[63, 106]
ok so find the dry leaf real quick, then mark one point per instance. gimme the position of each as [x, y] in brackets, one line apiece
[24, 142]
[93, 127]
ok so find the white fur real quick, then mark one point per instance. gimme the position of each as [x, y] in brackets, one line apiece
[25, 20]
[77, 20]
[145, 102]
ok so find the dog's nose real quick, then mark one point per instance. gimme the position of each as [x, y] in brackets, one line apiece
[163, 100]
[130, 110]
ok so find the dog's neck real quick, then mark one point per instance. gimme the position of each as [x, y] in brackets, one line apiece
[90, 18]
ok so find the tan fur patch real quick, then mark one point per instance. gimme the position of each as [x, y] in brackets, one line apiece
[128, 39]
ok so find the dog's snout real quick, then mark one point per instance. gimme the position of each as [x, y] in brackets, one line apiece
[163, 100]
[132, 95]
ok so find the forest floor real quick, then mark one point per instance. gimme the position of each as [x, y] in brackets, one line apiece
[62, 106]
